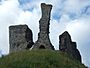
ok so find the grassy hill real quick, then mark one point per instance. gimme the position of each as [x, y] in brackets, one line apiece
[39, 59]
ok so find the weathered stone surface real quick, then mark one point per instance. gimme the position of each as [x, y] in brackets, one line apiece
[43, 41]
[66, 45]
[20, 38]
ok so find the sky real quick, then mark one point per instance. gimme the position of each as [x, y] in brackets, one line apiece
[67, 15]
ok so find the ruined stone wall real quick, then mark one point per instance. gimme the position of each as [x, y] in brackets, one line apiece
[66, 45]
[20, 38]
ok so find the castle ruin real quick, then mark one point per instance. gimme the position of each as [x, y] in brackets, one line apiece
[21, 37]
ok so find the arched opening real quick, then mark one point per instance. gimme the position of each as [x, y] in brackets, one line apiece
[42, 47]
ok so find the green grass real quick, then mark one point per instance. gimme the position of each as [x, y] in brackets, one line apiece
[39, 59]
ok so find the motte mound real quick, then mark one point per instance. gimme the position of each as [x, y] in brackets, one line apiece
[39, 59]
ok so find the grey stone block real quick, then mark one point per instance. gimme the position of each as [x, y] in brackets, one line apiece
[20, 38]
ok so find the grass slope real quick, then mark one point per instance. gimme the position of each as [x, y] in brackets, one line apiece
[39, 59]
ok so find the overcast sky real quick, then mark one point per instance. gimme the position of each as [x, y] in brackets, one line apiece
[67, 15]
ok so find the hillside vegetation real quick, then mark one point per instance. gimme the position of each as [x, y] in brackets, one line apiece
[39, 59]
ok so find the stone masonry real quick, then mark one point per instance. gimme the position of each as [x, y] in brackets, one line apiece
[43, 41]
[66, 45]
[20, 38]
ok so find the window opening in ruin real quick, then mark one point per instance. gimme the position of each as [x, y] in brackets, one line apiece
[42, 47]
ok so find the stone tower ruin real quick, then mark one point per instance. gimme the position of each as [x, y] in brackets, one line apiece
[43, 41]
[20, 38]
[67, 45]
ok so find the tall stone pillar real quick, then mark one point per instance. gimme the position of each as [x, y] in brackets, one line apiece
[43, 41]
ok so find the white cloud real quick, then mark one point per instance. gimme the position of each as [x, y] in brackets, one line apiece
[8, 15]
[79, 30]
